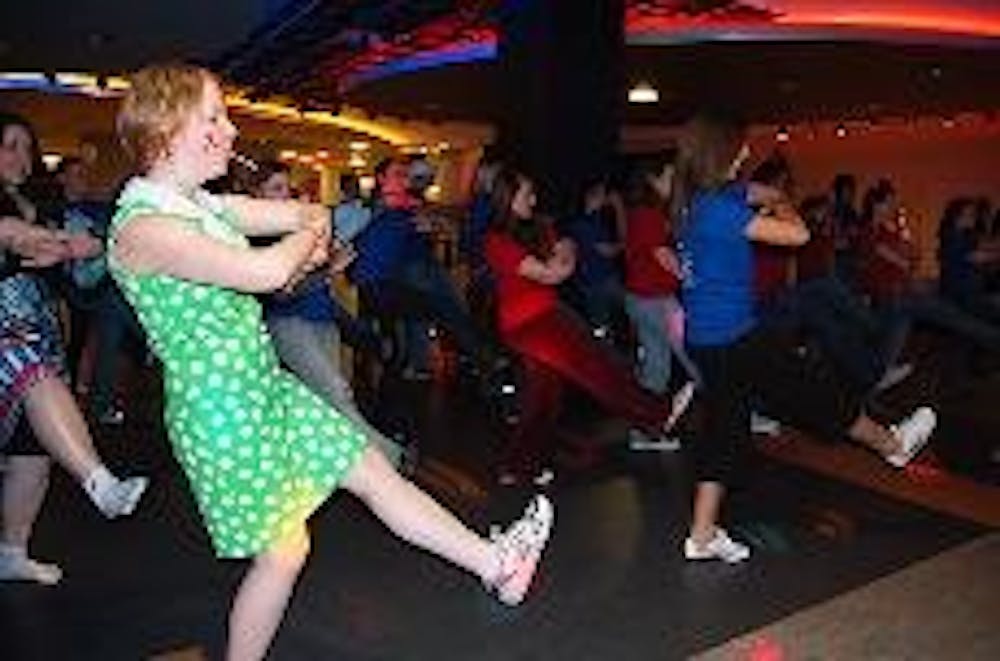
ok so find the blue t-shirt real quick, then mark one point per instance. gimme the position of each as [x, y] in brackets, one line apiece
[717, 259]
[588, 230]
[388, 243]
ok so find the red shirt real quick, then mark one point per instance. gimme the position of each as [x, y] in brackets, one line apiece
[770, 270]
[884, 279]
[645, 231]
[519, 299]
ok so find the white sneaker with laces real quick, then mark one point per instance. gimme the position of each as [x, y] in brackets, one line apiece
[720, 547]
[519, 548]
[912, 433]
[112, 496]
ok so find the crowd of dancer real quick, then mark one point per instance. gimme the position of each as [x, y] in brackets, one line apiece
[797, 314]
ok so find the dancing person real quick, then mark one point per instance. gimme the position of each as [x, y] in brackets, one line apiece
[303, 326]
[652, 280]
[739, 359]
[554, 344]
[33, 375]
[260, 450]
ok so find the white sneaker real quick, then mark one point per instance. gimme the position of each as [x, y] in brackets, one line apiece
[893, 376]
[761, 424]
[519, 549]
[913, 433]
[116, 497]
[679, 405]
[17, 566]
[720, 547]
[640, 441]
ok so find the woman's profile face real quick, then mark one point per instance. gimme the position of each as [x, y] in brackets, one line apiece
[204, 143]
[15, 154]
[523, 204]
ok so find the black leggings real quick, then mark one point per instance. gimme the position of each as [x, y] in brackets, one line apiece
[793, 385]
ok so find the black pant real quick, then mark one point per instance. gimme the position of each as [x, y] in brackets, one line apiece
[793, 385]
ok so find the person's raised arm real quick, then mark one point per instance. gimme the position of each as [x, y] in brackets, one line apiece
[262, 217]
[164, 245]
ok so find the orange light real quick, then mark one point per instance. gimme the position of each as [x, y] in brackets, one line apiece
[929, 19]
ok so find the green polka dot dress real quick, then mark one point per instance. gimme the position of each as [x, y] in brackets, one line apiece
[260, 450]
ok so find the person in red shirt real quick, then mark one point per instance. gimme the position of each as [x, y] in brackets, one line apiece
[888, 268]
[652, 279]
[554, 344]
[889, 252]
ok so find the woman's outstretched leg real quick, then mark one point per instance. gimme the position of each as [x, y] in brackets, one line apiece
[61, 430]
[506, 563]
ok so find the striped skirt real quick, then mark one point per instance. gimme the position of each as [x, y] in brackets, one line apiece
[31, 346]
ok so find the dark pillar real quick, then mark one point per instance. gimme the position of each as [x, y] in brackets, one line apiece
[562, 67]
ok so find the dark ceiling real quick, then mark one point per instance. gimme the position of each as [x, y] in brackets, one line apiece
[767, 82]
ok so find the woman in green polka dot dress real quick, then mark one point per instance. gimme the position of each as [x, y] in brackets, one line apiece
[260, 451]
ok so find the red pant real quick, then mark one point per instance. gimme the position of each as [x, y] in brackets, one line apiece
[558, 347]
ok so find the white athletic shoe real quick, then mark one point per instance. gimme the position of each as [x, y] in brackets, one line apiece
[913, 433]
[640, 441]
[763, 425]
[520, 548]
[720, 547]
[114, 497]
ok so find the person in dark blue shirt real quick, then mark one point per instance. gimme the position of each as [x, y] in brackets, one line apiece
[596, 284]
[397, 274]
[965, 260]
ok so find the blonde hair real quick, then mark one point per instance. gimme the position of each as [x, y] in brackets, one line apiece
[151, 114]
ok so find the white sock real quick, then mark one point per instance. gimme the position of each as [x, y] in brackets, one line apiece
[15, 565]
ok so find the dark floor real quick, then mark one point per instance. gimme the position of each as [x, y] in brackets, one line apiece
[613, 585]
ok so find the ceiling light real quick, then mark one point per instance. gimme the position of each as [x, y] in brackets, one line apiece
[359, 145]
[643, 93]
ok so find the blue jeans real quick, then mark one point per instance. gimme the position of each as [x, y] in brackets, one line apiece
[653, 318]
[311, 350]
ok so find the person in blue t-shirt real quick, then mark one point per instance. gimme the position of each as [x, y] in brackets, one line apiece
[739, 359]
